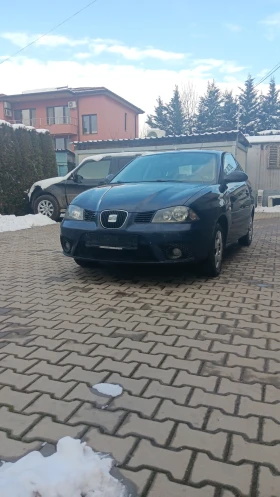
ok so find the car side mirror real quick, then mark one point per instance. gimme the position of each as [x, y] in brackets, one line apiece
[76, 177]
[236, 177]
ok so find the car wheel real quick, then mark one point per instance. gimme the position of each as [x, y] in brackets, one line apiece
[84, 263]
[48, 206]
[246, 240]
[213, 264]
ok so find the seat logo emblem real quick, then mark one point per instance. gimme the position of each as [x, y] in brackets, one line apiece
[112, 218]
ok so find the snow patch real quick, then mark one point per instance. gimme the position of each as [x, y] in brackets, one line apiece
[41, 130]
[2, 122]
[110, 389]
[45, 183]
[268, 209]
[15, 223]
[264, 139]
[74, 470]
[19, 126]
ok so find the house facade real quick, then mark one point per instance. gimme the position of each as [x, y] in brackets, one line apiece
[73, 114]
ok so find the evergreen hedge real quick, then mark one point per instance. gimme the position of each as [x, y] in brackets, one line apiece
[26, 156]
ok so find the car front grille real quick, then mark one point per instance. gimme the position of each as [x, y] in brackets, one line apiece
[142, 254]
[111, 240]
[144, 217]
[106, 219]
[89, 215]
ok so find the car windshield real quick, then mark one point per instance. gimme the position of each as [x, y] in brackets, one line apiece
[188, 167]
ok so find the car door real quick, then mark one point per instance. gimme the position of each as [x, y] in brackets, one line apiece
[245, 201]
[237, 194]
[90, 174]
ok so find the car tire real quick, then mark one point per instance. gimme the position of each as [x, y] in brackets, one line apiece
[213, 265]
[48, 206]
[246, 240]
[83, 263]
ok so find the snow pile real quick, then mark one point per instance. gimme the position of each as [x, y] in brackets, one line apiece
[19, 126]
[274, 209]
[74, 470]
[15, 223]
[110, 389]
[41, 130]
[2, 123]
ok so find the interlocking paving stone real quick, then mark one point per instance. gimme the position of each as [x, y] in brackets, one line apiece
[50, 431]
[156, 389]
[133, 386]
[54, 387]
[198, 360]
[220, 421]
[239, 477]
[162, 486]
[174, 462]
[208, 383]
[87, 414]
[225, 402]
[201, 440]
[16, 423]
[193, 415]
[17, 400]
[118, 447]
[157, 430]
[250, 451]
[12, 449]
[58, 408]
[146, 407]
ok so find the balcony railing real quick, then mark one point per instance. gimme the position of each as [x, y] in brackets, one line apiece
[42, 122]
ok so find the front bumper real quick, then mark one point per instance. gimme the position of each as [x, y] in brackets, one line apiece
[27, 204]
[154, 242]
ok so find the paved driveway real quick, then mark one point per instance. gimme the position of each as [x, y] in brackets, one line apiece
[198, 360]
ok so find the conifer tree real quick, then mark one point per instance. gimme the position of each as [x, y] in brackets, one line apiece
[249, 108]
[209, 113]
[270, 108]
[229, 112]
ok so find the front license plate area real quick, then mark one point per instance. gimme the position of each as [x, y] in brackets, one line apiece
[111, 241]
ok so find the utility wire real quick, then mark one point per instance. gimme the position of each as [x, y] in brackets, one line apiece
[272, 71]
[48, 32]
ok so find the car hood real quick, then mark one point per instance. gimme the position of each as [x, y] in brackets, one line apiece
[45, 183]
[138, 197]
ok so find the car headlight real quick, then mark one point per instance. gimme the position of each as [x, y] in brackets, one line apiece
[74, 212]
[179, 214]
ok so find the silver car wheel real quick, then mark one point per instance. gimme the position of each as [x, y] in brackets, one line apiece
[251, 230]
[46, 208]
[218, 249]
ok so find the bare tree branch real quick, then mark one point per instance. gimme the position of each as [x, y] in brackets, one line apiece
[190, 99]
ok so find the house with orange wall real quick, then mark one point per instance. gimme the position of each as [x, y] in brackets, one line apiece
[73, 114]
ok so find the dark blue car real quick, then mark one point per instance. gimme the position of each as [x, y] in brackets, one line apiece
[163, 208]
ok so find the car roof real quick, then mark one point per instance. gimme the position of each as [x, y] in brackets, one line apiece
[214, 152]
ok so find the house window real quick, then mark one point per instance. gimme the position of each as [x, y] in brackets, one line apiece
[274, 156]
[58, 115]
[61, 143]
[89, 124]
[25, 116]
[125, 121]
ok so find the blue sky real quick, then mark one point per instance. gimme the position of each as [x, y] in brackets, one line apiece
[138, 49]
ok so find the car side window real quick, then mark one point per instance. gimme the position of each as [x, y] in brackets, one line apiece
[94, 170]
[239, 168]
[119, 162]
[230, 164]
